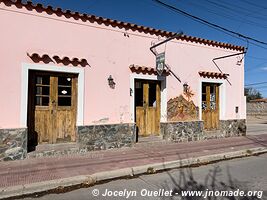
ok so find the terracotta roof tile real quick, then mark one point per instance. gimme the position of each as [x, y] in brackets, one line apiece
[84, 17]
[46, 58]
[146, 70]
[259, 100]
[213, 75]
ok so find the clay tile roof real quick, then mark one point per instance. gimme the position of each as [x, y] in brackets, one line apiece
[59, 12]
[146, 70]
[213, 75]
[46, 58]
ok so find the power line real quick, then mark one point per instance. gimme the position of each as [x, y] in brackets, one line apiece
[256, 58]
[208, 23]
[257, 67]
[229, 16]
[261, 87]
[259, 83]
[255, 5]
[239, 11]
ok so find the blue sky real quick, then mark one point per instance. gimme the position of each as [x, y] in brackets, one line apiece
[244, 16]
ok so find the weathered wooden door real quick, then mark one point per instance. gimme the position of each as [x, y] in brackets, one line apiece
[210, 105]
[52, 107]
[147, 107]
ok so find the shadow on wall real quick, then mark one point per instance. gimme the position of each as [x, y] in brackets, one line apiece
[212, 187]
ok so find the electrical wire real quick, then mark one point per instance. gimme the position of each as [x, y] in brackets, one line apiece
[229, 16]
[238, 12]
[259, 83]
[255, 5]
[203, 21]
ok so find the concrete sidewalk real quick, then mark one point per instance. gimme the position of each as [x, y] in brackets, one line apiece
[40, 174]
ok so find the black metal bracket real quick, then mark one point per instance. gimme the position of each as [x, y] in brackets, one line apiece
[152, 49]
[227, 56]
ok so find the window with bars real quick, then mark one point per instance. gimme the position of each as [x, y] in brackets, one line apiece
[64, 91]
[42, 90]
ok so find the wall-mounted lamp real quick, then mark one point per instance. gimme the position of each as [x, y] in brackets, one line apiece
[185, 86]
[111, 82]
[239, 61]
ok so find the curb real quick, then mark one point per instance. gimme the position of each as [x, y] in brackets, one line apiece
[42, 187]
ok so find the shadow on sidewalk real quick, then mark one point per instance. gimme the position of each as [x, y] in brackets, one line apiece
[257, 141]
[211, 188]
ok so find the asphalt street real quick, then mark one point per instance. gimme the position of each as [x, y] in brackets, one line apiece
[244, 174]
[256, 125]
[256, 129]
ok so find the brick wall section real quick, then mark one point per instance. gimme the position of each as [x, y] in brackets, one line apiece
[13, 144]
[108, 136]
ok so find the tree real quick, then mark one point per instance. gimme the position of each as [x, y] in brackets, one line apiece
[252, 93]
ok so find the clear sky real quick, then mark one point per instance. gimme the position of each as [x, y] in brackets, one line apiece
[248, 17]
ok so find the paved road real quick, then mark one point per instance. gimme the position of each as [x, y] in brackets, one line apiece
[243, 174]
[256, 128]
[256, 125]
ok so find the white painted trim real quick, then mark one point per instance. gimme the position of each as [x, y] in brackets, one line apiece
[163, 95]
[222, 96]
[43, 67]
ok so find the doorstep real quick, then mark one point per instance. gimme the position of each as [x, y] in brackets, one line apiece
[54, 150]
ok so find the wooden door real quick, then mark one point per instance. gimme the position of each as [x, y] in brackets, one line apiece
[210, 106]
[52, 107]
[147, 107]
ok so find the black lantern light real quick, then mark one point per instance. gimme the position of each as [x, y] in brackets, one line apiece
[185, 86]
[111, 82]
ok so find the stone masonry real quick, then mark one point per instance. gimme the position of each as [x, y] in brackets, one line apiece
[182, 131]
[13, 144]
[193, 130]
[235, 127]
[108, 136]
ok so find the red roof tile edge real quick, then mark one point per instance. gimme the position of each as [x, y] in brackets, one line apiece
[146, 70]
[115, 23]
[213, 74]
[57, 59]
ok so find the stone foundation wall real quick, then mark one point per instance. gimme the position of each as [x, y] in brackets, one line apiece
[108, 136]
[182, 131]
[235, 127]
[13, 144]
[193, 130]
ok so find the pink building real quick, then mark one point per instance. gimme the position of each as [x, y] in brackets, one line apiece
[68, 77]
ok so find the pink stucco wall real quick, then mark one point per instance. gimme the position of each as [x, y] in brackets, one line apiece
[108, 52]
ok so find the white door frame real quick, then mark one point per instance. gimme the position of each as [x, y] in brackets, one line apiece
[222, 96]
[163, 94]
[50, 68]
